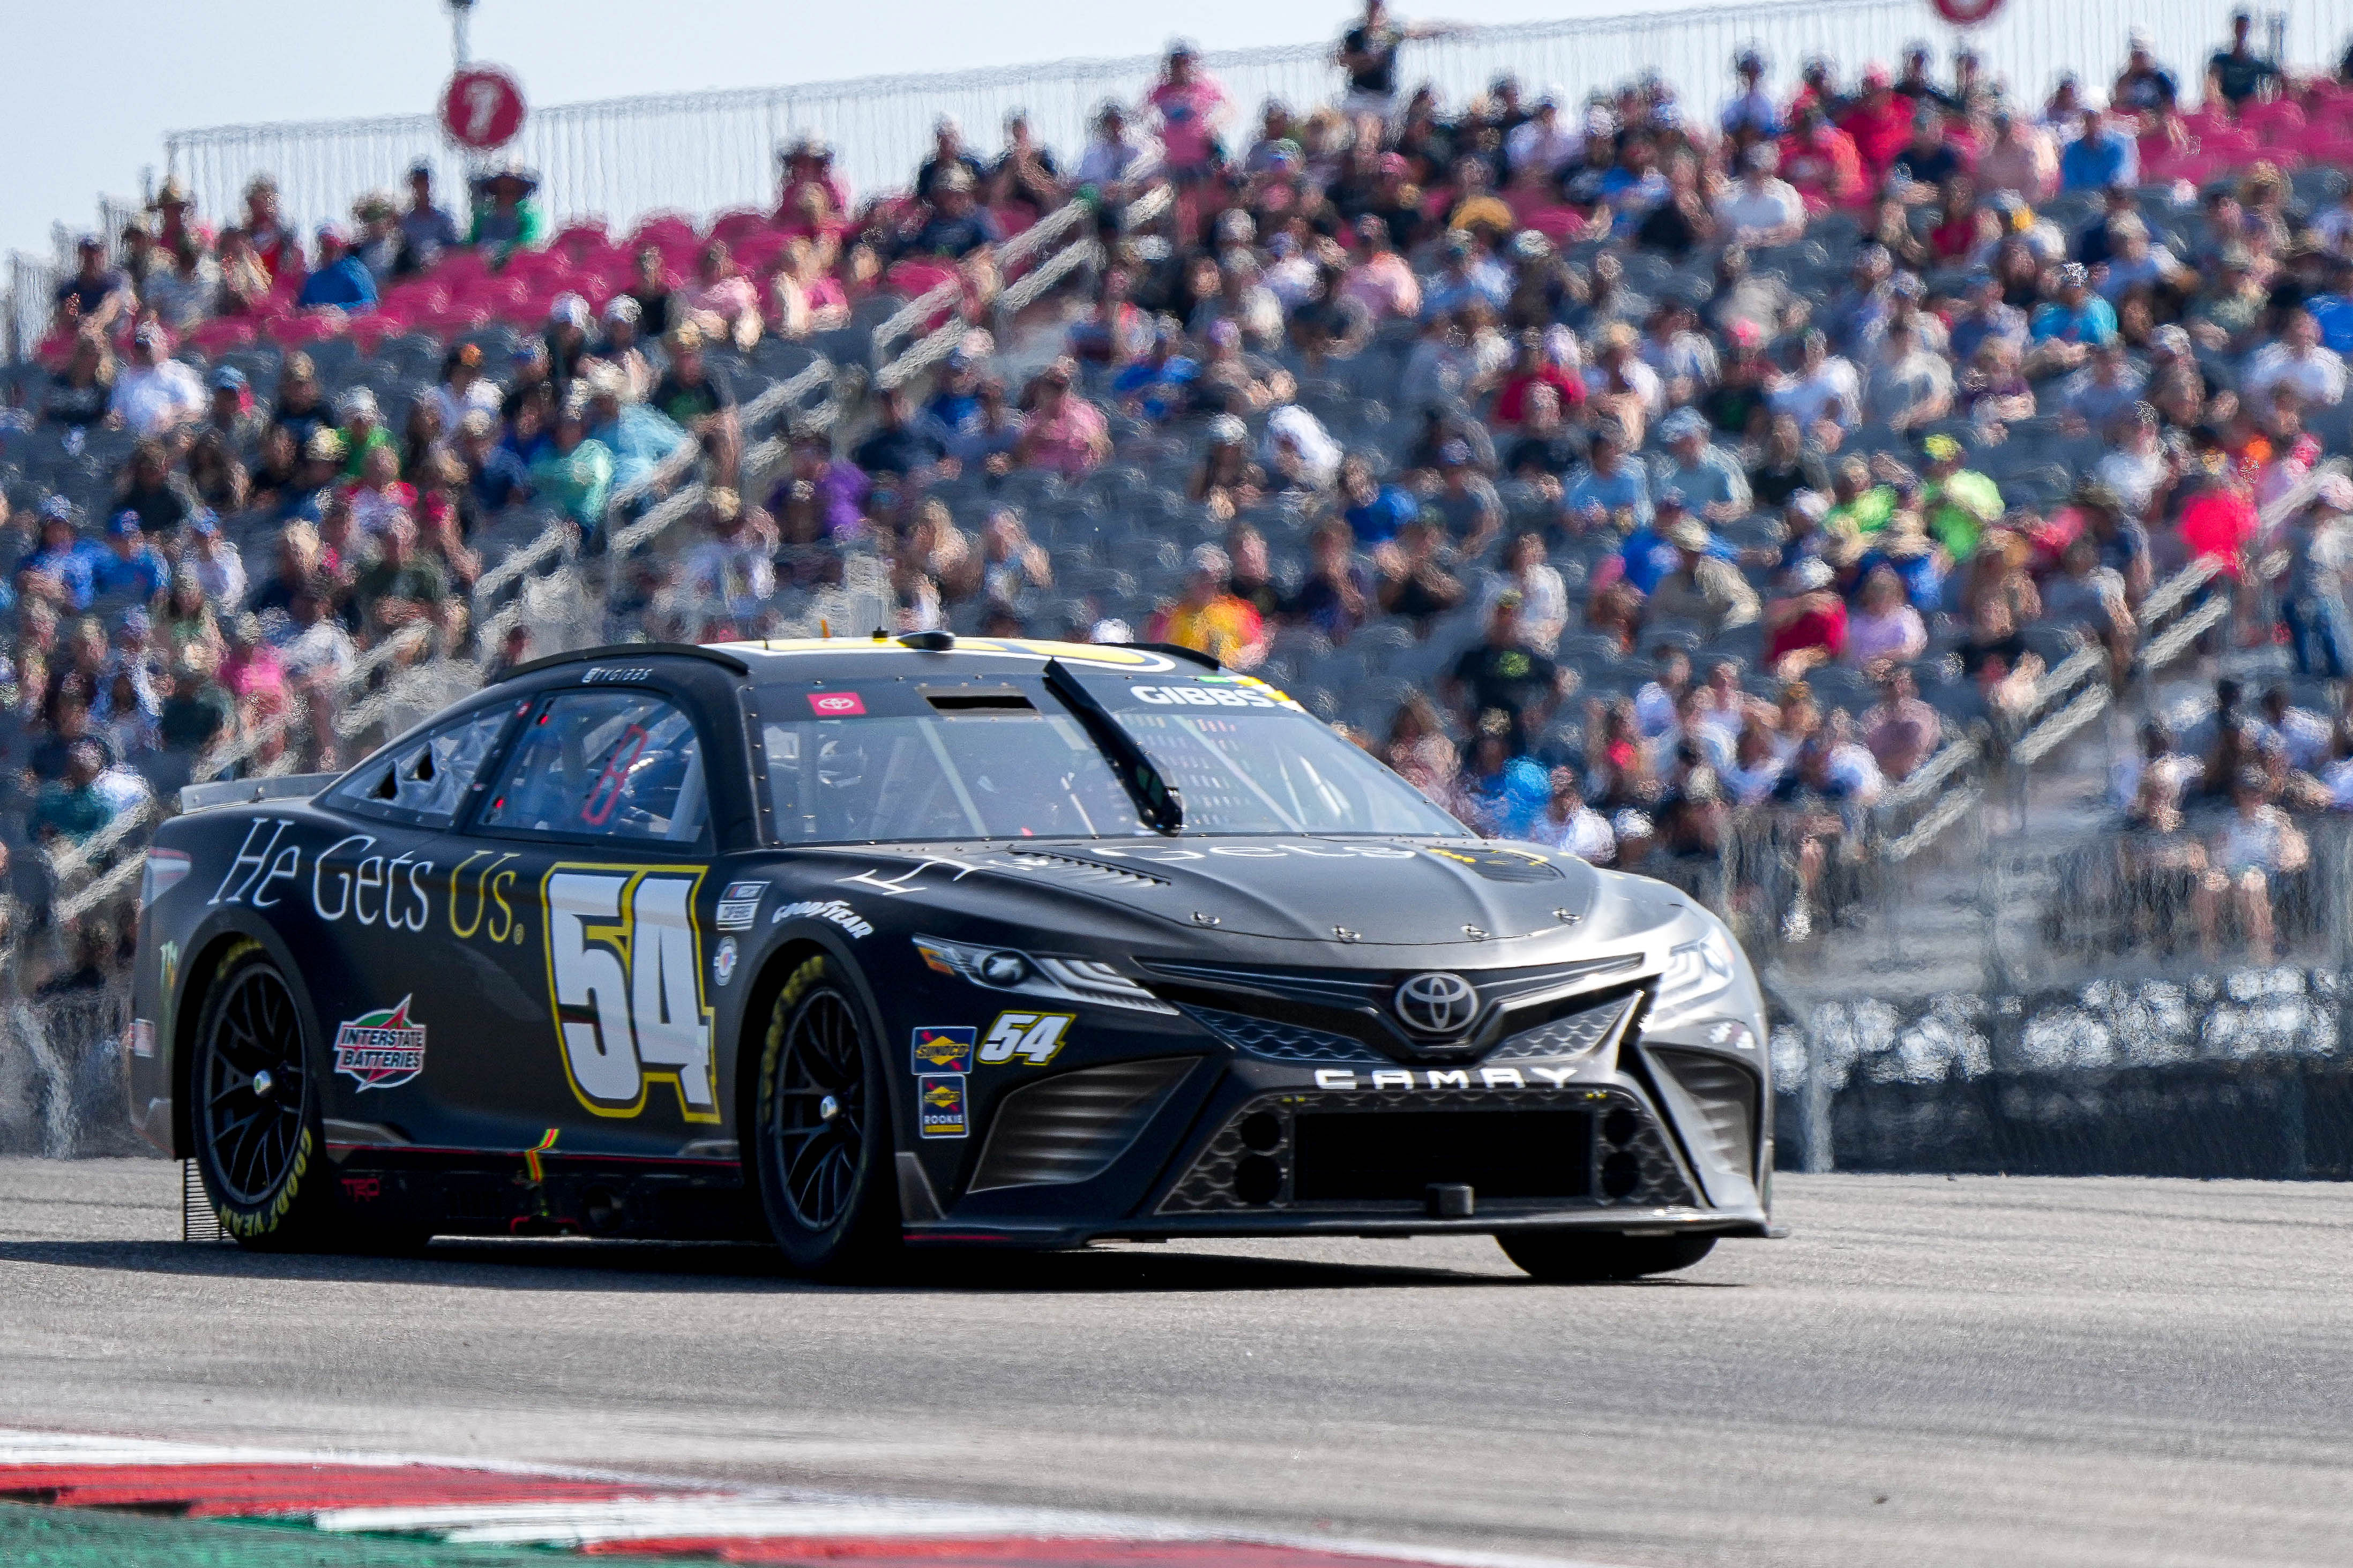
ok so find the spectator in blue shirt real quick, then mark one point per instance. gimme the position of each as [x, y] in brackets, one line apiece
[1648, 555]
[129, 564]
[2066, 328]
[2099, 158]
[1465, 276]
[1608, 486]
[1374, 510]
[641, 439]
[1159, 385]
[64, 569]
[341, 279]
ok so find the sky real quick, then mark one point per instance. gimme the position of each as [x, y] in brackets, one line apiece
[85, 110]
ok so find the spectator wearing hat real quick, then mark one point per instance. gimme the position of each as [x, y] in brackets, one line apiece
[622, 349]
[62, 571]
[1709, 477]
[1702, 588]
[2065, 328]
[265, 232]
[155, 393]
[1917, 173]
[341, 280]
[360, 422]
[1806, 623]
[463, 389]
[566, 335]
[1959, 504]
[96, 295]
[574, 472]
[130, 566]
[507, 214]
[1750, 116]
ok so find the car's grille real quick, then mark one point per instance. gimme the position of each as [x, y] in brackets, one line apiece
[1573, 1036]
[1277, 1041]
[1070, 1128]
[1282, 1151]
[1726, 1095]
[1498, 1153]
[1374, 987]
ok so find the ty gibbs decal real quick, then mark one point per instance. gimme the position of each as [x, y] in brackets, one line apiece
[946, 1048]
[940, 1105]
[382, 1050]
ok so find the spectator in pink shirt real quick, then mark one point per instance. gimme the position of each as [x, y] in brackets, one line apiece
[1064, 434]
[1190, 108]
[720, 301]
[1382, 282]
[808, 166]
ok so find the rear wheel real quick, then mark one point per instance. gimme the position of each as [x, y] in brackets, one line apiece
[823, 1134]
[256, 1120]
[1577, 1257]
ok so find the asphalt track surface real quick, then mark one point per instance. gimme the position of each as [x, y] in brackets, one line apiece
[1929, 1371]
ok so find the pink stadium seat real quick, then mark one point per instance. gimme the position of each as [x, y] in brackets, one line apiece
[293, 331]
[2272, 121]
[221, 334]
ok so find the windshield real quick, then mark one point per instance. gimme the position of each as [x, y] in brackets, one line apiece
[1015, 770]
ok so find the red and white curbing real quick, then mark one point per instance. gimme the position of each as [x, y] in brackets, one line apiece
[479, 1502]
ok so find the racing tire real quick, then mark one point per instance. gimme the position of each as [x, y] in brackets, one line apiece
[1585, 1258]
[822, 1140]
[255, 1118]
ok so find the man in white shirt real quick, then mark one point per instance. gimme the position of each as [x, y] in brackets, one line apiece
[156, 394]
[1570, 824]
[1543, 141]
[2316, 374]
[1763, 208]
[1823, 393]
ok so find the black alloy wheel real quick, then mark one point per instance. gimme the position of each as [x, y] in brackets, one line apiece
[255, 1117]
[824, 1125]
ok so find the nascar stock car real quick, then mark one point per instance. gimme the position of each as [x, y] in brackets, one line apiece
[865, 945]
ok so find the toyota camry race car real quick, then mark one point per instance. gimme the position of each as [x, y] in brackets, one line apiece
[869, 946]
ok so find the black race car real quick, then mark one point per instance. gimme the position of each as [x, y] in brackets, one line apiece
[871, 945]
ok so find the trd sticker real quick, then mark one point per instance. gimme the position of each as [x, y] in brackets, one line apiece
[1035, 1038]
[143, 1037]
[625, 981]
[739, 906]
[947, 1050]
[836, 704]
[382, 1050]
[722, 963]
[940, 1105]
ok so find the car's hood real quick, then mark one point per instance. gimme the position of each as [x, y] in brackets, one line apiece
[1389, 891]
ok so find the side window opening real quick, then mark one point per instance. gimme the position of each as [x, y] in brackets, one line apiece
[423, 782]
[611, 763]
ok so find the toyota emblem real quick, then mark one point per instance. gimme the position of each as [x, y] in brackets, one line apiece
[1437, 1003]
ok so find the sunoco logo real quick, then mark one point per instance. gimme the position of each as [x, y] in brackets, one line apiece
[382, 1050]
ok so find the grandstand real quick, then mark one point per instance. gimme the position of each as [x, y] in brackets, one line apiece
[1804, 488]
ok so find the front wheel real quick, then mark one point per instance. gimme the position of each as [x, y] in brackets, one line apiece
[257, 1113]
[1581, 1257]
[823, 1130]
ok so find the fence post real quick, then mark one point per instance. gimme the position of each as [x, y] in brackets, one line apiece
[1814, 1139]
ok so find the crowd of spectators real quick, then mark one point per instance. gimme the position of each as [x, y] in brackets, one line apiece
[1685, 439]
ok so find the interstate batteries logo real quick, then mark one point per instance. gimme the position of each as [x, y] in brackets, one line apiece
[383, 1049]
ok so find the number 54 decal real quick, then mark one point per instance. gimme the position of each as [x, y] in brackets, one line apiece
[625, 978]
[1035, 1038]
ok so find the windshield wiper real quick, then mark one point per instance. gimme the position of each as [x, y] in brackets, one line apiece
[1156, 799]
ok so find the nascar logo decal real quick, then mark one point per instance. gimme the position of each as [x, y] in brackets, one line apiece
[382, 1050]
[940, 1105]
[739, 906]
[945, 1049]
[625, 976]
